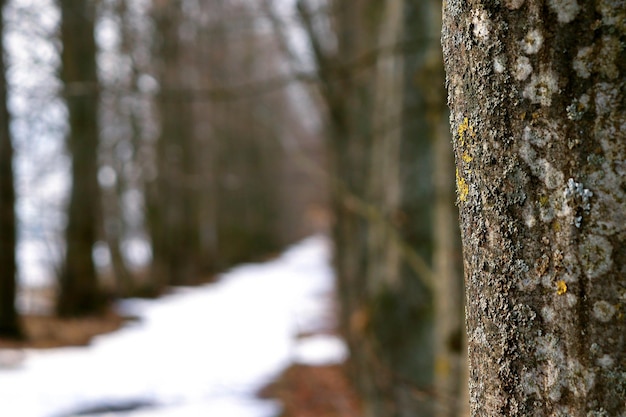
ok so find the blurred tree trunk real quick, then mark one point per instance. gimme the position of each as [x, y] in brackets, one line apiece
[9, 322]
[386, 108]
[79, 292]
[538, 104]
[381, 226]
[173, 217]
[350, 139]
[450, 359]
[244, 138]
[136, 107]
[113, 231]
[247, 188]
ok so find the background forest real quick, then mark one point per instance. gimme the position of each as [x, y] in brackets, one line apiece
[151, 144]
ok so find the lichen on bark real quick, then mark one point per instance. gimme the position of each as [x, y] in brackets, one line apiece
[541, 190]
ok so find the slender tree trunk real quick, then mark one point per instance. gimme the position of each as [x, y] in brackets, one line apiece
[113, 232]
[174, 227]
[450, 359]
[79, 289]
[538, 113]
[387, 308]
[9, 323]
[350, 165]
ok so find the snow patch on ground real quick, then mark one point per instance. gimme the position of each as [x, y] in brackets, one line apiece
[199, 351]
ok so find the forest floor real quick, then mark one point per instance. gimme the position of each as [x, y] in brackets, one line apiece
[46, 331]
[303, 390]
[314, 391]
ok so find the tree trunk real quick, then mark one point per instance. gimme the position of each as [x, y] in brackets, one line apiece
[450, 359]
[9, 323]
[387, 307]
[79, 289]
[174, 226]
[538, 114]
[352, 137]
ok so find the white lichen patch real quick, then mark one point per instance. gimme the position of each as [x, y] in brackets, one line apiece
[541, 167]
[603, 311]
[529, 383]
[571, 300]
[481, 24]
[546, 214]
[541, 88]
[548, 314]
[546, 206]
[548, 281]
[601, 57]
[499, 64]
[527, 152]
[551, 176]
[608, 56]
[529, 216]
[576, 201]
[532, 42]
[548, 347]
[612, 14]
[609, 216]
[522, 69]
[595, 255]
[479, 337]
[601, 412]
[575, 190]
[513, 4]
[566, 10]
[541, 136]
[606, 361]
[595, 349]
[572, 269]
[578, 107]
[579, 379]
[528, 282]
[583, 63]
[552, 372]
[607, 98]
[562, 411]
[553, 382]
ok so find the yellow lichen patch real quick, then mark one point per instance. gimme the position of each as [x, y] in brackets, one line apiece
[466, 158]
[462, 187]
[543, 200]
[465, 127]
[561, 287]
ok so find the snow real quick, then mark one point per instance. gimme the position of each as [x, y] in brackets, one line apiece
[200, 351]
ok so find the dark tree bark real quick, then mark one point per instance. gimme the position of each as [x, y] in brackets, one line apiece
[537, 92]
[173, 218]
[9, 322]
[381, 220]
[438, 202]
[351, 106]
[79, 288]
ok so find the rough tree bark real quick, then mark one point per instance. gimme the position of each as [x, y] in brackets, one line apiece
[9, 323]
[79, 289]
[537, 92]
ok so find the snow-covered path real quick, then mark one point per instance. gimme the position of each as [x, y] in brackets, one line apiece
[198, 352]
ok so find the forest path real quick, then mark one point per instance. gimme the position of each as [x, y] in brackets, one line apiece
[199, 351]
